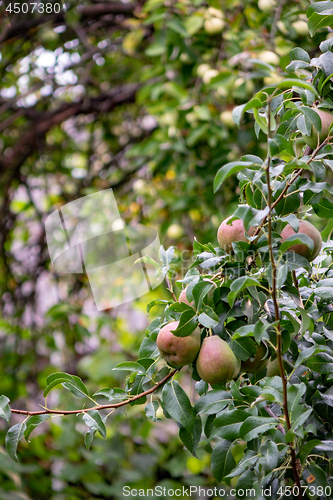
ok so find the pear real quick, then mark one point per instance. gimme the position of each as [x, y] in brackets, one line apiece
[227, 233]
[178, 351]
[305, 227]
[216, 362]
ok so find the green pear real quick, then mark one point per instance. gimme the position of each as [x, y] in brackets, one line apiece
[274, 370]
[259, 362]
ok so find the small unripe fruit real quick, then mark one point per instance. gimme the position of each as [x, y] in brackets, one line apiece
[259, 362]
[301, 27]
[273, 369]
[266, 5]
[202, 68]
[326, 120]
[175, 231]
[178, 351]
[216, 362]
[227, 119]
[227, 233]
[269, 57]
[307, 228]
[214, 25]
[209, 75]
[212, 12]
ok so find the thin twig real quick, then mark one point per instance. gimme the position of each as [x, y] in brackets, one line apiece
[271, 414]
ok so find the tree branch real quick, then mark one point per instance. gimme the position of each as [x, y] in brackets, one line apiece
[98, 407]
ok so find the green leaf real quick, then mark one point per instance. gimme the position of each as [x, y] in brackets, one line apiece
[255, 426]
[212, 402]
[227, 170]
[148, 260]
[176, 25]
[94, 421]
[200, 291]
[312, 116]
[299, 54]
[77, 388]
[244, 348]
[270, 455]
[238, 111]
[324, 209]
[325, 293]
[156, 302]
[115, 394]
[130, 366]
[296, 239]
[300, 417]
[230, 422]
[88, 438]
[326, 233]
[289, 83]
[70, 382]
[321, 363]
[222, 461]
[277, 144]
[249, 459]
[208, 317]
[148, 349]
[5, 411]
[326, 445]
[177, 404]
[191, 439]
[13, 437]
[321, 20]
[238, 286]
[151, 409]
[307, 448]
[33, 422]
[319, 474]
[308, 353]
[187, 324]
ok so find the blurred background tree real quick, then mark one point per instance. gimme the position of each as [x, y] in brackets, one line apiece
[134, 96]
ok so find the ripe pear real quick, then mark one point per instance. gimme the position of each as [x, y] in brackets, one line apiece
[326, 120]
[305, 227]
[259, 362]
[178, 351]
[227, 233]
[216, 362]
[183, 298]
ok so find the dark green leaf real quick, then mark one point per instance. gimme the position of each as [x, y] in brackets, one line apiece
[178, 406]
[223, 461]
[255, 426]
[228, 170]
[13, 437]
[187, 324]
[94, 421]
[33, 422]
